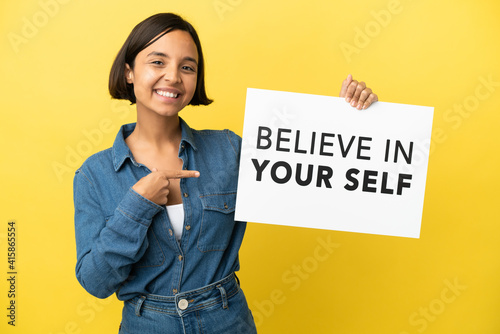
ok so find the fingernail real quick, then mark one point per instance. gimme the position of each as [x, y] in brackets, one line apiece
[353, 103]
[359, 106]
[348, 99]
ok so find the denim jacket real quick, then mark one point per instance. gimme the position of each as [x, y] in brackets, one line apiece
[125, 243]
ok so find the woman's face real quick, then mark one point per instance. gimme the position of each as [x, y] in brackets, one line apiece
[164, 74]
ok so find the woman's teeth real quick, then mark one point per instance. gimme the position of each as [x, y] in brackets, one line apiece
[166, 94]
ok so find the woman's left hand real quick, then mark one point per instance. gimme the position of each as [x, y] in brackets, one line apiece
[357, 94]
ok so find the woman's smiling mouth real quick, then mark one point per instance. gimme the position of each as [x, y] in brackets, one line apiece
[166, 94]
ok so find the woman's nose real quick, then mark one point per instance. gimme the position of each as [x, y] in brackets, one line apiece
[172, 74]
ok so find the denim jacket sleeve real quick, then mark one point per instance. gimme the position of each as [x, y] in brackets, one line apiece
[107, 247]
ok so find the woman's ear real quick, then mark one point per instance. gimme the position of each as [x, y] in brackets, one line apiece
[129, 75]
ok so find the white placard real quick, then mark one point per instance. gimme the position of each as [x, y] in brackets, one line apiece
[314, 161]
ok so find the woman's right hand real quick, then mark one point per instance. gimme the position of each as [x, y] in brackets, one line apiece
[154, 186]
[357, 94]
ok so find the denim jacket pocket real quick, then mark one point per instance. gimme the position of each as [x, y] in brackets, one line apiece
[153, 256]
[217, 221]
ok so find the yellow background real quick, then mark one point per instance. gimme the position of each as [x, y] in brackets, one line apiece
[435, 53]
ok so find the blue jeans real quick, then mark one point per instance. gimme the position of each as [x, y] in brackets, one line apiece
[219, 308]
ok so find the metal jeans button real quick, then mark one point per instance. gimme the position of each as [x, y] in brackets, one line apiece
[183, 304]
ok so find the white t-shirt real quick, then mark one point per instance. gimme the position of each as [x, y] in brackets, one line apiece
[176, 215]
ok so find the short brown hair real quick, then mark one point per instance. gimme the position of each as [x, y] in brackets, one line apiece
[140, 38]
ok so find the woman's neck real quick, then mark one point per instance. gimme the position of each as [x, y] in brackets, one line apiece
[156, 132]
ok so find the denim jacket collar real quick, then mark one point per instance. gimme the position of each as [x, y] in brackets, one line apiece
[121, 151]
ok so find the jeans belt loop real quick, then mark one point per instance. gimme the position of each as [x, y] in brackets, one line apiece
[223, 295]
[139, 305]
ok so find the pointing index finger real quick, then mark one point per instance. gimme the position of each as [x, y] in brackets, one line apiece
[179, 174]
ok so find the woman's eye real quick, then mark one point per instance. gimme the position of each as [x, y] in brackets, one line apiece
[157, 62]
[188, 68]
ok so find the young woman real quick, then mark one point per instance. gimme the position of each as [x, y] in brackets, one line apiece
[154, 214]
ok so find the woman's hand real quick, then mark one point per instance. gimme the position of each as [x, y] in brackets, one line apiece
[357, 94]
[154, 186]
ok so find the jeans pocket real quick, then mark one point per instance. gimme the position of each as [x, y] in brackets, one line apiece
[217, 221]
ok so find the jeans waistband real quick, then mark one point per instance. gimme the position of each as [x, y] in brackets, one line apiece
[189, 301]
